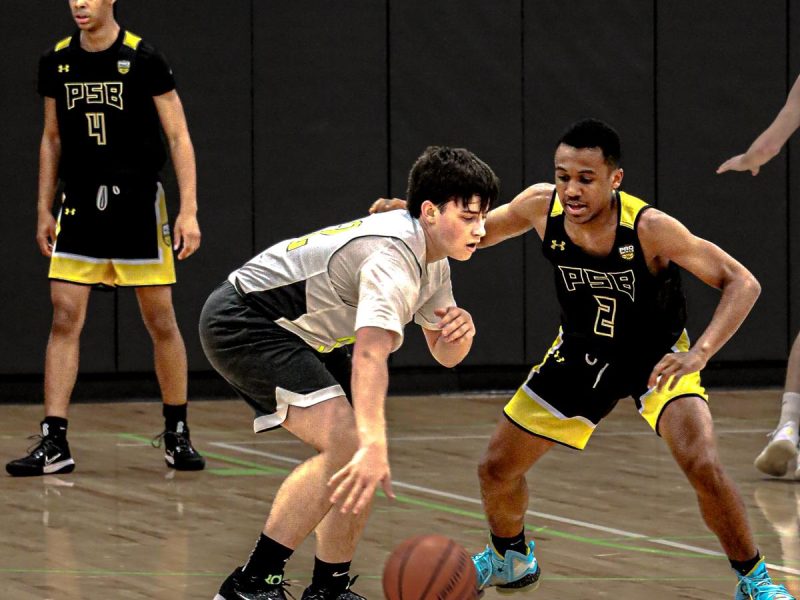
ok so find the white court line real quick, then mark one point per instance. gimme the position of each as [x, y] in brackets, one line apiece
[533, 513]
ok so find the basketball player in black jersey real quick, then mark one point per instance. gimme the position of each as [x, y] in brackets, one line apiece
[105, 93]
[622, 334]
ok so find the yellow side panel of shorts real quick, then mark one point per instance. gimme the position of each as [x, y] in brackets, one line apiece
[151, 273]
[534, 415]
[653, 401]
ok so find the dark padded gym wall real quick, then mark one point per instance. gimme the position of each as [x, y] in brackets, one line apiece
[721, 79]
[303, 112]
[454, 68]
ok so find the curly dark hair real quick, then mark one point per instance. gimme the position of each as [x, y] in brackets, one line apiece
[442, 174]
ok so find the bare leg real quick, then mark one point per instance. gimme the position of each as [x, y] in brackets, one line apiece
[687, 428]
[302, 500]
[793, 368]
[169, 350]
[63, 346]
[504, 489]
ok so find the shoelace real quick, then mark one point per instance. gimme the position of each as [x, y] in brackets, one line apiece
[41, 442]
[180, 439]
[483, 561]
[754, 589]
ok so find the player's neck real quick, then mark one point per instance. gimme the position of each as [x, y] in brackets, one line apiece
[101, 38]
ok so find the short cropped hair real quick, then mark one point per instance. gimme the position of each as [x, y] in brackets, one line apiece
[442, 174]
[593, 133]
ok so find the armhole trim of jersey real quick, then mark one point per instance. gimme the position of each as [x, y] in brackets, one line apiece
[63, 43]
[555, 205]
[131, 40]
[629, 209]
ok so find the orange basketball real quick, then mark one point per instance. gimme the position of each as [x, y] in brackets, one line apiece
[429, 567]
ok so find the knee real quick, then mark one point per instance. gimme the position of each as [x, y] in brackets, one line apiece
[161, 324]
[704, 471]
[491, 469]
[67, 318]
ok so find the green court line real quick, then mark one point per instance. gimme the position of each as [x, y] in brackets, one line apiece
[252, 468]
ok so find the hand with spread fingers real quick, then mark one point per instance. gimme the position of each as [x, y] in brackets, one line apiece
[357, 481]
[456, 324]
[672, 367]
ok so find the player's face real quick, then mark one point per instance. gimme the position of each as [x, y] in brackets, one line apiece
[91, 15]
[585, 182]
[455, 230]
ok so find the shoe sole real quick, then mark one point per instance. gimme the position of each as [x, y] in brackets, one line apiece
[59, 468]
[190, 467]
[526, 584]
[774, 459]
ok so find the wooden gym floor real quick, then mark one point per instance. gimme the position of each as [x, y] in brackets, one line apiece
[616, 521]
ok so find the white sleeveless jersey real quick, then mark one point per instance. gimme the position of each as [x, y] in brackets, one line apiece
[368, 272]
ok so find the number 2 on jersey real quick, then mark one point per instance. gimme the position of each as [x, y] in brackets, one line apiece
[606, 311]
[97, 127]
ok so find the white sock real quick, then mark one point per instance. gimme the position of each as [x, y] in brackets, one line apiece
[790, 408]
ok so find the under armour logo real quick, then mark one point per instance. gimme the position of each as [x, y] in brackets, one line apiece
[557, 245]
[63, 68]
[557, 354]
[69, 211]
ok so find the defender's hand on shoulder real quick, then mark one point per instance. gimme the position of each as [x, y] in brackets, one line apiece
[386, 204]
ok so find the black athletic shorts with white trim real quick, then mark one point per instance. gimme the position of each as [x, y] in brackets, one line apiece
[268, 366]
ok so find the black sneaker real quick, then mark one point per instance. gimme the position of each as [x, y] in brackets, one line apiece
[48, 456]
[240, 586]
[312, 593]
[179, 453]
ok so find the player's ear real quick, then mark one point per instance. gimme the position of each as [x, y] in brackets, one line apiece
[616, 178]
[429, 211]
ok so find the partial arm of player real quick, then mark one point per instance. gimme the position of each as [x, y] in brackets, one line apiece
[769, 143]
[173, 121]
[453, 340]
[525, 212]
[528, 210]
[49, 156]
[357, 481]
[665, 239]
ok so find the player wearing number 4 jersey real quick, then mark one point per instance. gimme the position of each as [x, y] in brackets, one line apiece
[622, 334]
[105, 93]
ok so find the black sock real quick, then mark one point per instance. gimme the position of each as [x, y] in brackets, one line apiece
[54, 427]
[516, 543]
[333, 577]
[745, 566]
[174, 417]
[268, 560]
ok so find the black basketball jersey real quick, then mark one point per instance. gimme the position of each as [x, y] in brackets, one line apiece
[107, 119]
[614, 305]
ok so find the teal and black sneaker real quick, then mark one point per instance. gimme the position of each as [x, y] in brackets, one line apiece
[757, 585]
[515, 572]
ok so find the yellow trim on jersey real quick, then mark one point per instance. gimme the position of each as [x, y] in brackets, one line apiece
[653, 402]
[557, 208]
[63, 43]
[131, 40]
[630, 207]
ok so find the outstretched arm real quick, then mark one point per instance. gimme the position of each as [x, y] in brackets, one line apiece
[528, 210]
[769, 143]
[357, 481]
[665, 239]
